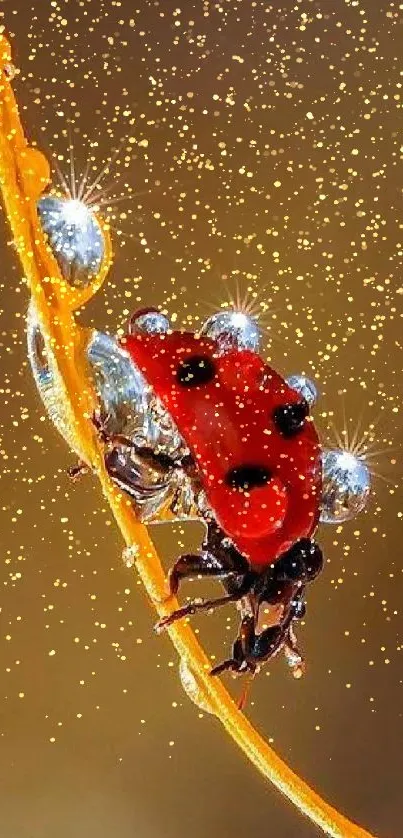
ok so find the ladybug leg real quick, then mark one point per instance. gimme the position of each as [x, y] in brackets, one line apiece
[231, 664]
[207, 563]
[220, 546]
[260, 647]
[214, 560]
[293, 655]
[100, 422]
[160, 461]
[246, 637]
[194, 564]
[77, 471]
[265, 645]
[238, 663]
[207, 604]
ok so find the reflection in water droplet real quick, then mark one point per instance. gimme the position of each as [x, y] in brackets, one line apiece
[47, 381]
[305, 387]
[346, 486]
[124, 395]
[233, 330]
[75, 237]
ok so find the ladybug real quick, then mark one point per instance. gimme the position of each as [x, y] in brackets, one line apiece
[251, 458]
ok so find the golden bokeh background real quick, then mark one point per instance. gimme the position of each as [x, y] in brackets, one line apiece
[257, 155]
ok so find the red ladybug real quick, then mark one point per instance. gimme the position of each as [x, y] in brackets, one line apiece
[254, 444]
[255, 459]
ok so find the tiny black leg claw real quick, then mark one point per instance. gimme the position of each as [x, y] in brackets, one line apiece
[204, 605]
[229, 665]
[194, 564]
[77, 471]
[100, 422]
[192, 608]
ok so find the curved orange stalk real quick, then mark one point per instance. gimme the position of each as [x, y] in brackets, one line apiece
[24, 174]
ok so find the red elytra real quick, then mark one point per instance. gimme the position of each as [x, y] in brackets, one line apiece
[227, 423]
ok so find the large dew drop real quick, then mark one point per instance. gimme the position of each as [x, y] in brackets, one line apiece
[75, 237]
[346, 486]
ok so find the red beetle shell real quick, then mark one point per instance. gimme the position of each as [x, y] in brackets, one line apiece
[227, 423]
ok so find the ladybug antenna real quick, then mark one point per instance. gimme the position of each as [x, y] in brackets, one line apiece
[246, 690]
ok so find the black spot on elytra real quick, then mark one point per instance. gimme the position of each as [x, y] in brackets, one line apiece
[290, 418]
[247, 477]
[195, 371]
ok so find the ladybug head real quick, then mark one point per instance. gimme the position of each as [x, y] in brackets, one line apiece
[250, 434]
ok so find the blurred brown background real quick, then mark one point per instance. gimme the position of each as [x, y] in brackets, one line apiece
[265, 153]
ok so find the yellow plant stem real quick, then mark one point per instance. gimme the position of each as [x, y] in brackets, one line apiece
[24, 174]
